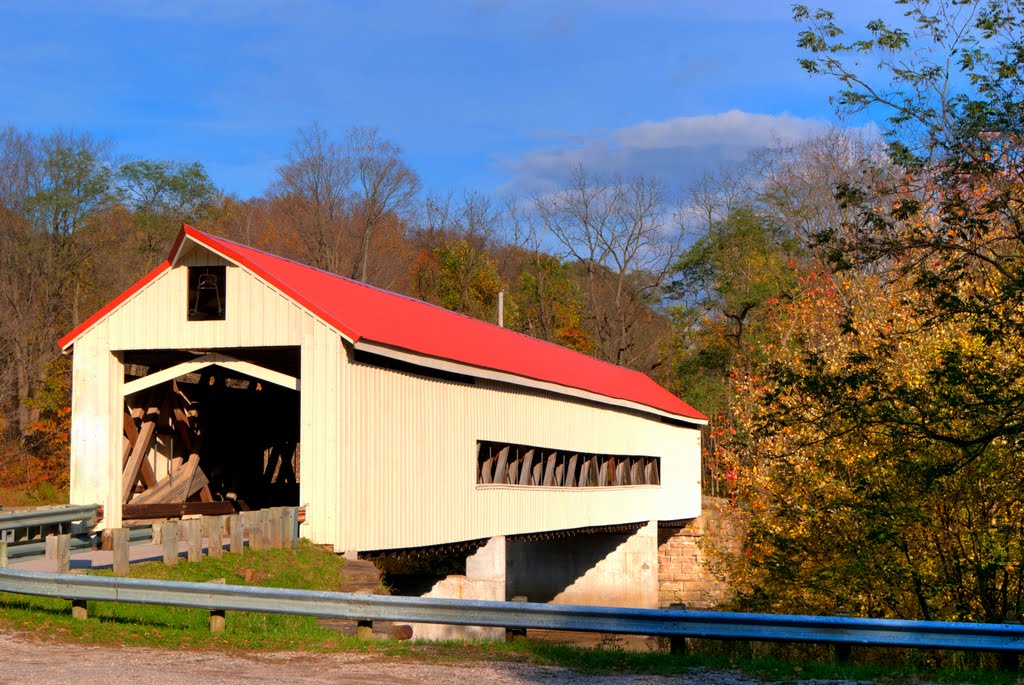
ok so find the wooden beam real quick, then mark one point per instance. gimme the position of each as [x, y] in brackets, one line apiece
[250, 369]
[199, 363]
[137, 464]
[486, 466]
[177, 487]
[158, 377]
[499, 468]
[549, 468]
[164, 510]
[526, 471]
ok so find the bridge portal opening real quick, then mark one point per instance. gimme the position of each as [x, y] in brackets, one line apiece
[210, 431]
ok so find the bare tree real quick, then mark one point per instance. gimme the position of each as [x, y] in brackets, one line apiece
[385, 185]
[616, 231]
[313, 187]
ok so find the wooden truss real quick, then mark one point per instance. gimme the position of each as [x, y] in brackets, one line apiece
[158, 408]
[505, 464]
[163, 407]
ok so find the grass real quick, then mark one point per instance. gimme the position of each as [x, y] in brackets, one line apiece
[40, 495]
[312, 568]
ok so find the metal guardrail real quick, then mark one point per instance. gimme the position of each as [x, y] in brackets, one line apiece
[47, 517]
[82, 541]
[671, 623]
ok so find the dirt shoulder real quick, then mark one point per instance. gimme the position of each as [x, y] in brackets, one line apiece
[57, 663]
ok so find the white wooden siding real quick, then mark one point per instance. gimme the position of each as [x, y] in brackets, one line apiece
[407, 475]
[257, 315]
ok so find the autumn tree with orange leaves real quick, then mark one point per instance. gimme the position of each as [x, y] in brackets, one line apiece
[879, 435]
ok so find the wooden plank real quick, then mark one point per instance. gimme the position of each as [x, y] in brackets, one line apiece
[169, 532]
[137, 464]
[250, 369]
[177, 487]
[621, 471]
[130, 429]
[571, 470]
[513, 468]
[526, 471]
[486, 465]
[500, 469]
[166, 510]
[636, 472]
[549, 468]
[158, 377]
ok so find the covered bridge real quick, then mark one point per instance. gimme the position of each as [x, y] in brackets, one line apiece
[229, 377]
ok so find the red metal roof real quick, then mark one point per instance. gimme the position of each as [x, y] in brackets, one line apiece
[363, 312]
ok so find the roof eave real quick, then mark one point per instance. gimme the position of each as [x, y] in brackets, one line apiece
[450, 366]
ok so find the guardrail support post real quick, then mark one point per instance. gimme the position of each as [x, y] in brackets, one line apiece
[512, 633]
[119, 541]
[364, 630]
[1010, 661]
[677, 643]
[169, 534]
[218, 621]
[156, 527]
[3, 553]
[63, 553]
[235, 531]
[79, 609]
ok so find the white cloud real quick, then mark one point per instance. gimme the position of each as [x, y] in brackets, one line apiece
[676, 150]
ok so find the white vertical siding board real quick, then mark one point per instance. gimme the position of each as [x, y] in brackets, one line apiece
[416, 441]
[156, 317]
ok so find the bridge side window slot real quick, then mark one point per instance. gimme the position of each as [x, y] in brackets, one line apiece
[529, 466]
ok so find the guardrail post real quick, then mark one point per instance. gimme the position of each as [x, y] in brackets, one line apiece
[169, 533]
[156, 528]
[63, 553]
[218, 621]
[235, 531]
[512, 633]
[119, 541]
[677, 643]
[1010, 661]
[3, 553]
[79, 609]
[50, 547]
[364, 630]
[843, 651]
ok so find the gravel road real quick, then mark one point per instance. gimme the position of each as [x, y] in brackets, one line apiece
[33, 661]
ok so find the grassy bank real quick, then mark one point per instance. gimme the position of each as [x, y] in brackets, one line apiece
[312, 568]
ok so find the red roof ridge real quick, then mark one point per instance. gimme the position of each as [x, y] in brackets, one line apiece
[196, 233]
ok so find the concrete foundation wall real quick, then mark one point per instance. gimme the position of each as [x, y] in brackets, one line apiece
[597, 569]
[686, 564]
[484, 579]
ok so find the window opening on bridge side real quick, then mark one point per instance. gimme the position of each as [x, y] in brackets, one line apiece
[501, 463]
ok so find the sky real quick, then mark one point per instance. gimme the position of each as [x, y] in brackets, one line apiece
[500, 96]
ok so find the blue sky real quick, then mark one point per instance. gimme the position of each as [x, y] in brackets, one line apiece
[494, 95]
